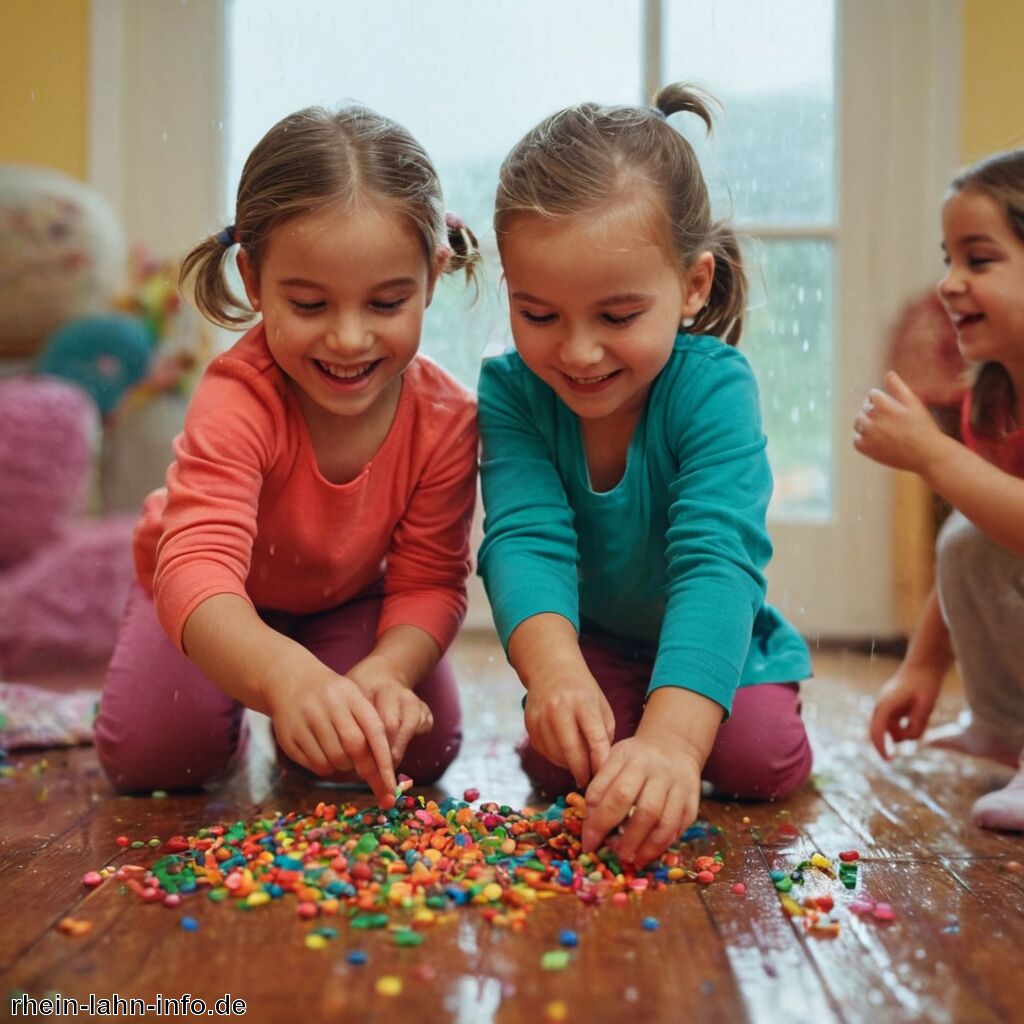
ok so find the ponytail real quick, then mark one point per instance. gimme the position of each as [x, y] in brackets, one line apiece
[681, 98]
[992, 399]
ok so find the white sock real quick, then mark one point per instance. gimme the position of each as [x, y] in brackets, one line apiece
[971, 737]
[1002, 809]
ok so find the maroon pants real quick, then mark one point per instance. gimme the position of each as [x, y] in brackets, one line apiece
[761, 751]
[163, 725]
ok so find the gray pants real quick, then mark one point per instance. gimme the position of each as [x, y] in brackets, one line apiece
[981, 593]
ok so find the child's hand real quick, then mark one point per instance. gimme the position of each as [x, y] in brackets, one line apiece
[904, 706]
[325, 722]
[404, 715]
[894, 427]
[653, 783]
[570, 722]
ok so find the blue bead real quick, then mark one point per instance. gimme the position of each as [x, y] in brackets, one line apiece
[357, 957]
[190, 924]
[567, 937]
[650, 924]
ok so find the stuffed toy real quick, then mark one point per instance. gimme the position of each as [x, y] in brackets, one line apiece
[66, 358]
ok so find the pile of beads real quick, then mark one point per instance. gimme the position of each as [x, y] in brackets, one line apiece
[419, 858]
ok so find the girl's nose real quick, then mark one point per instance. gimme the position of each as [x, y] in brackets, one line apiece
[348, 336]
[951, 283]
[580, 349]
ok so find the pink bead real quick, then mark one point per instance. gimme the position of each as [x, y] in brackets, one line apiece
[92, 878]
[739, 888]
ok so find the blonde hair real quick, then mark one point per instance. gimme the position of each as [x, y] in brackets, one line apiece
[1001, 178]
[312, 159]
[581, 158]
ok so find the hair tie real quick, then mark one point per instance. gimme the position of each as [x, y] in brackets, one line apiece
[454, 221]
[659, 112]
[227, 236]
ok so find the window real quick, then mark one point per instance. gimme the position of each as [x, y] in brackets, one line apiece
[467, 101]
[832, 153]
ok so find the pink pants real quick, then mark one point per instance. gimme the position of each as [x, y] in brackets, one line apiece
[761, 752]
[163, 725]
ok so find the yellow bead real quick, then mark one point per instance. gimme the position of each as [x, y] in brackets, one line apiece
[388, 985]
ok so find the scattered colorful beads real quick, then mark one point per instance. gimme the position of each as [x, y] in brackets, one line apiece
[419, 858]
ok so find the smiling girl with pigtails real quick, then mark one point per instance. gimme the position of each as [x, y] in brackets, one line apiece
[308, 556]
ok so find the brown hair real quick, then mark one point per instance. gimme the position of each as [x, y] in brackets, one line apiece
[581, 158]
[1001, 178]
[309, 160]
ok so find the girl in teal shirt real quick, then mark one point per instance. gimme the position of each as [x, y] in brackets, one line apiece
[625, 484]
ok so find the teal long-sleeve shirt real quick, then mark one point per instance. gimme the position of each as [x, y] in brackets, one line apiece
[671, 559]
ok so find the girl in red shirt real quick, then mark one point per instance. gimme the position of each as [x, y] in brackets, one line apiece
[975, 613]
[308, 556]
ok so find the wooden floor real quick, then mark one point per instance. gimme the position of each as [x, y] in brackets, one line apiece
[955, 951]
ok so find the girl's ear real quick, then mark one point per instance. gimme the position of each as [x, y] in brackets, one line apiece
[250, 278]
[437, 265]
[697, 284]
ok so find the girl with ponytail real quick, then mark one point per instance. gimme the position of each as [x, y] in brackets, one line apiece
[625, 484]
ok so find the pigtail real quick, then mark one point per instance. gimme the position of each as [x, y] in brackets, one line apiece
[465, 249]
[202, 273]
[723, 314]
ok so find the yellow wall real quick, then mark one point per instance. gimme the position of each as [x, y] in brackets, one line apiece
[44, 83]
[992, 77]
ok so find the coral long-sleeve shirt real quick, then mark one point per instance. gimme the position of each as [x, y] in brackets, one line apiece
[246, 510]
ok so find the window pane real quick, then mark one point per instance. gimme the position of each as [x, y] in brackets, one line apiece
[788, 340]
[771, 158]
[466, 78]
